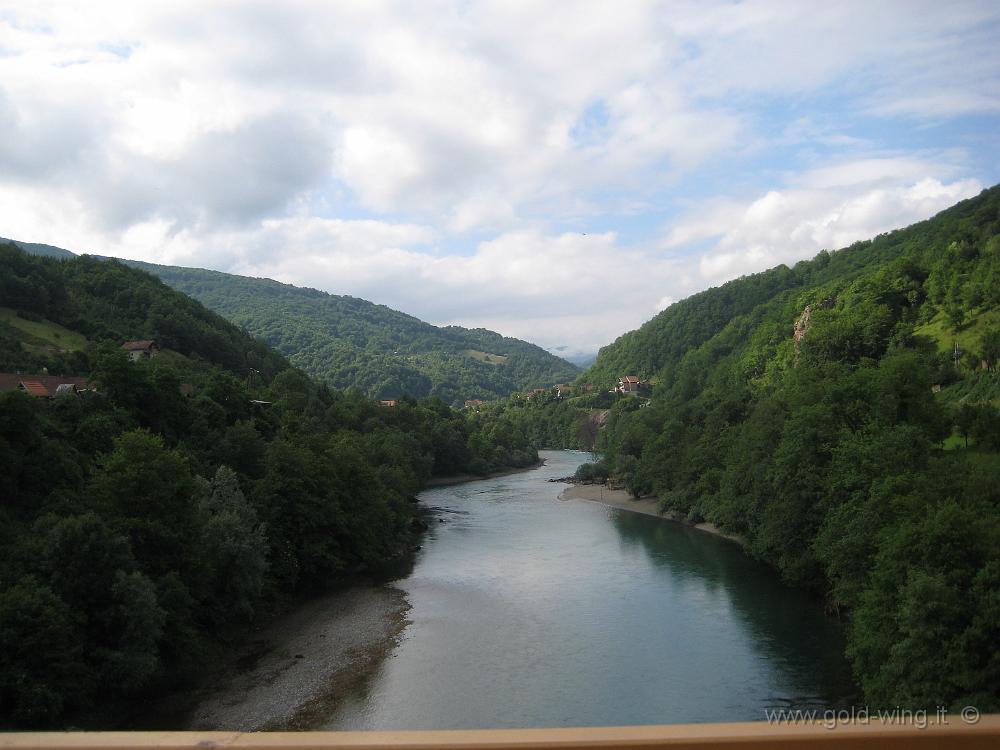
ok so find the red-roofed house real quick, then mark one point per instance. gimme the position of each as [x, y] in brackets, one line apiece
[629, 384]
[44, 386]
[34, 388]
[141, 349]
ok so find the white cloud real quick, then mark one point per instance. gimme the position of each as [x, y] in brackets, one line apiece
[470, 162]
[792, 224]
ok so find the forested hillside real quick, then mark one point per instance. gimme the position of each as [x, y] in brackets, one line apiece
[657, 347]
[842, 417]
[352, 343]
[348, 342]
[150, 518]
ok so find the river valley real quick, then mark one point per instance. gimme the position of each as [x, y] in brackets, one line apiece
[528, 610]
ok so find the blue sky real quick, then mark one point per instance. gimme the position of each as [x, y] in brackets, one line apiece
[556, 172]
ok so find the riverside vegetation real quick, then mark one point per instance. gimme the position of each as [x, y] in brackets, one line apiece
[142, 529]
[822, 412]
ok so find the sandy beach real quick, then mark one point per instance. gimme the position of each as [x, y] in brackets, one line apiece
[597, 493]
[295, 670]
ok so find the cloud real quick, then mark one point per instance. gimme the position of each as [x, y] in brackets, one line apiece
[792, 224]
[880, 54]
[233, 177]
[559, 172]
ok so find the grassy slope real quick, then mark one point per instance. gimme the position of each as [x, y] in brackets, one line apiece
[967, 337]
[43, 335]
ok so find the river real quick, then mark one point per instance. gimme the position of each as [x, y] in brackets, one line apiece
[530, 611]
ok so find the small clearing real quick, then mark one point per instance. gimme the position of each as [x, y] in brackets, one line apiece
[43, 335]
[490, 359]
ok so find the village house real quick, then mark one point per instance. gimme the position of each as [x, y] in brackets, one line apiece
[388, 403]
[44, 386]
[141, 349]
[563, 390]
[474, 403]
[630, 384]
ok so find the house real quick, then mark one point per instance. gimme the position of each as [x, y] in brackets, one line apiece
[44, 386]
[141, 349]
[388, 403]
[629, 384]
[474, 403]
[563, 390]
[34, 387]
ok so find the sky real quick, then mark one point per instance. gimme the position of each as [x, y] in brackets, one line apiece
[556, 171]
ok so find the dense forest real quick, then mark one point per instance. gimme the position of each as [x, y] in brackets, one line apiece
[147, 521]
[842, 417]
[352, 343]
[348, 342]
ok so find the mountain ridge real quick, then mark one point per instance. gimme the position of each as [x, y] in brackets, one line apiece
[349, 342]
[843, 417]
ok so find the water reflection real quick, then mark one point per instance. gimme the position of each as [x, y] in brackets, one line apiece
[529, 611]
[775, 615]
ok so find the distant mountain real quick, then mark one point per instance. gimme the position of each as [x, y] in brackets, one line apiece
[352, 343]
[36, 248]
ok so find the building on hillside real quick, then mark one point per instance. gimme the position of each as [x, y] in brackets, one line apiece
[44, 386]
[388, 403]
[630, 384]
[563, 390]
[144, 349]
[475, 403]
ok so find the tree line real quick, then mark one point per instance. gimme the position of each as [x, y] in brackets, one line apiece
[146, 523]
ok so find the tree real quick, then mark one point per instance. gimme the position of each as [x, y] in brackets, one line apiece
[991, 347]
[148, 490]
[235, 547]
[965, 420]
[41, 667]
[985, 429]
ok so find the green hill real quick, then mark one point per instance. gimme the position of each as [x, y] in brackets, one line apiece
[821, 412]
[657, 346]
[46, 251]
[352, 343]
[147, 522]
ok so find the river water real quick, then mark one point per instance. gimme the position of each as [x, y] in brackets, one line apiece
[529, 611]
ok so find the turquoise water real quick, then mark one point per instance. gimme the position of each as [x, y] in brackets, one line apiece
[529, 611]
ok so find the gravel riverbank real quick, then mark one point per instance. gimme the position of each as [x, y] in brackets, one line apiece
[302, 664]
[597, 493]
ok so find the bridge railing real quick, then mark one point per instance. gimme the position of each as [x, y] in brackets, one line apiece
[957, 734]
